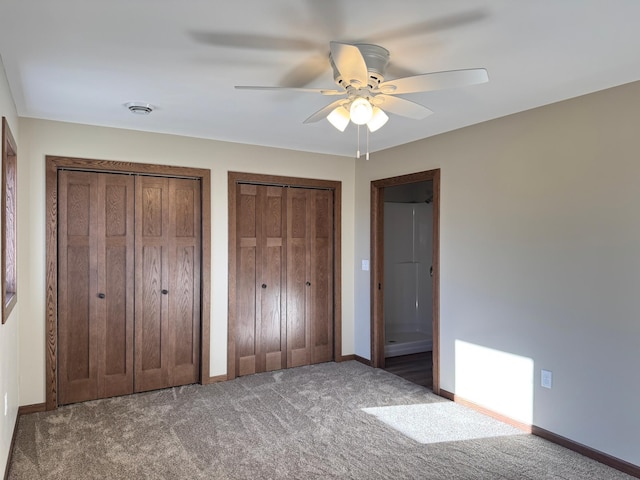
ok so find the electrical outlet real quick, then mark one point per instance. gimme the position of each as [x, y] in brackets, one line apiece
[365, 265]
[546, 378]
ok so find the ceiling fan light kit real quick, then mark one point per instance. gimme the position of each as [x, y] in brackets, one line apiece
[361, 111]
[378, 119]
[339, 118]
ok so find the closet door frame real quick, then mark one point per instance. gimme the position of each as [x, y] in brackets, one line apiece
[282, 181]
[53, 164]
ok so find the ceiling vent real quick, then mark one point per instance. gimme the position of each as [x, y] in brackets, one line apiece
[139, 108]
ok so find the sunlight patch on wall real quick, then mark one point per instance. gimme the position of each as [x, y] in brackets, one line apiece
[499, 381]
[440, 422]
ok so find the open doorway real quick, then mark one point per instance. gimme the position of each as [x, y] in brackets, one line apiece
[405, 281]
[407, 286]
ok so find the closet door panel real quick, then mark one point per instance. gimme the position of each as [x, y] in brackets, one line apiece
[184, 281]
[184, 307]
[78, 358]
[116, 338]
[270, 307]
[78, 363]
[116, 280]
[321, 253]
[297, 289]
[77, 334]
[310, 277]
[151, 339]
[95, 316]
[260, 286]
[272, 333]
[248, 276]
[246, 323]
[149, 314]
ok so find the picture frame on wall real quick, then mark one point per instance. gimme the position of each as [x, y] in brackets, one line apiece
[9, 227]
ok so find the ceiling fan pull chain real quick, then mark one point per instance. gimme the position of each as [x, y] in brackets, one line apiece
[367, 157]
[358, 150]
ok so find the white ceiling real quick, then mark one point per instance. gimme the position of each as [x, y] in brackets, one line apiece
[82, 60]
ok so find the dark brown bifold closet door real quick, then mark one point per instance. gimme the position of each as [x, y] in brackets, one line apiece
[309, 276]
[167, 310]
[123, 237]
[260, 327]
[96, 275]
[284, 277]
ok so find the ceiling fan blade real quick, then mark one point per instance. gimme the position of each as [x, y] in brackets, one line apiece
[321, 91]
[350, 63]
[434, 81]
[306, 72]
[396, 71]
[329, 15]
[401, 106]
[432, 25]
[258, 42]
[323, 112]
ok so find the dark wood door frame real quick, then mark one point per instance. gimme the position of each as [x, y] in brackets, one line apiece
[52, 165]
[377, 266]
[336, 187]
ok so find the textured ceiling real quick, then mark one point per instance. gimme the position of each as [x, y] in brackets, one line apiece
[82, 60]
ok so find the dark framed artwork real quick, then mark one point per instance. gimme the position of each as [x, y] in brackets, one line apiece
[9, 231]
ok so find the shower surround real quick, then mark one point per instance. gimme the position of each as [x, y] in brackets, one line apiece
[408, 237]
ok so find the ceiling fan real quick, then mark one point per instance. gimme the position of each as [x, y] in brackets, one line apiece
[358, 70]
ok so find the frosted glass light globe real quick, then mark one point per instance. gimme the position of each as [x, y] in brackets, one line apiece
[361, 111]
[339, 118]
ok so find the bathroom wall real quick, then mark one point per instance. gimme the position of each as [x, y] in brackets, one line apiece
[407, 253]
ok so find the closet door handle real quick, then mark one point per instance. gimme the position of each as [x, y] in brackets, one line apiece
[164, 292]
[264, 285]
[101, 295]
[308, 284]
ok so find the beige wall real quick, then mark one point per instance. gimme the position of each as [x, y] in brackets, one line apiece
[42, 138]
[540, 240]
[9, 391]
[540, 264]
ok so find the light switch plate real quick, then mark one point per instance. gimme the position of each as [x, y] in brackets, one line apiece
[365, 265]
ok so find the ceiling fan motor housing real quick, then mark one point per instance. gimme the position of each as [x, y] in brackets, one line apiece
[375, 57]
